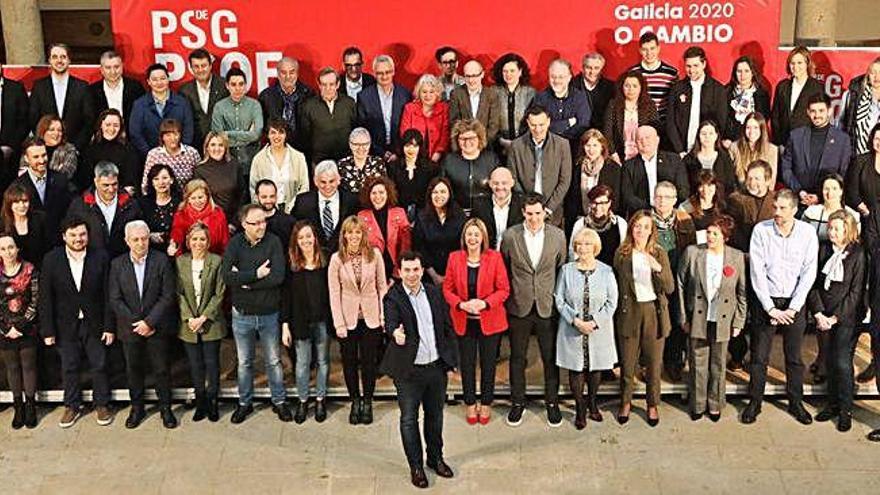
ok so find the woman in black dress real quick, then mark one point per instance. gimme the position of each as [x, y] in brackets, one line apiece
[159, 204]
[438, 229]
[411, 172]
[27, 226]
[110, 144]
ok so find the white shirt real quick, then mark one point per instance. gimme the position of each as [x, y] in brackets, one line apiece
[108, 210]
[59, 87]
[500, 214]
[796, 89]
[475, 102]
[334, 206]
[534, 244]
[197, 267]
[114, 96]
[694, 119]
[353, 88]
[204, 94]
[651, 172]
[644, 286]
[714, 268]
[76, 262]
[281, 175]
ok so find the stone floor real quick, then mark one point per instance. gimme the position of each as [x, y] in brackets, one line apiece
[775, 455]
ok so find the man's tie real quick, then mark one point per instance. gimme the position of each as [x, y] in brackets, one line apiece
[327, 220]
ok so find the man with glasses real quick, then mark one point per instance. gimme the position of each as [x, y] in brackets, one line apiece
[379, 108]
[447, 61]
[253, 269]
[356, 80]
[327, 119]
[474, 101]
[569, 110]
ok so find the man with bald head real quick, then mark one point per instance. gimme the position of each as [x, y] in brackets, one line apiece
[643, 172]
[569, 110]
[502, 209]
[474, 101]
[280, 100]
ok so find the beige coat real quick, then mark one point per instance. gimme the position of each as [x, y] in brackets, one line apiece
[730, 299]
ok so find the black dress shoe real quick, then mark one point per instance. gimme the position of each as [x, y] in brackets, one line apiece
[800, 414]
[844, 422]
[354, 417]
[441, 468]
[320, 411]
[30, 414]
[168, 419]
[580, 416]
[696, 416]
[201, 411]
[367, 412]
[283, 412]
[827, 414]
[302, 410]
[241, 413]
[135, 417]
[653, 422]
[714, 417]
[418, 478]
[213, 411]
[750, 414]
[874, 436]
[18, 415]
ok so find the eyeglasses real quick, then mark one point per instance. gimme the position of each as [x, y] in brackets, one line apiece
[353, 66]
[473, 76]
[601, 203]
[449, 62]
[384, 72]
[360, 145]
[254, 224]
[468, 139]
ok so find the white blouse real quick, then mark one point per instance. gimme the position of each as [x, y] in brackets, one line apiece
[642, 278]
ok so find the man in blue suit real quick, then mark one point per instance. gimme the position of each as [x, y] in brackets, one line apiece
[815, 151]
[379, 108]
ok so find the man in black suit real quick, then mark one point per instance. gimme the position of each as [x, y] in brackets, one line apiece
[282, 99]
[107, 210]
[277, 222]
[75, 316]
[202, 93]
[377, 114]
[142, 298]
[642, 173]
[327, 206]
[13, 126]
[49, 190]
[419, 357]
[61, 94]
[114, 90]
[598, 89]
[698, 89]
[502, 209]
[354, 79]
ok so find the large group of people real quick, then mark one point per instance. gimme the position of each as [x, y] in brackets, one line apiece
[651, 225]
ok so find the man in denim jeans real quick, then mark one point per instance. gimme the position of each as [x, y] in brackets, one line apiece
[253, 268]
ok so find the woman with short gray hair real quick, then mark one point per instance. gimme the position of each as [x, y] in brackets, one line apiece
[354, 170]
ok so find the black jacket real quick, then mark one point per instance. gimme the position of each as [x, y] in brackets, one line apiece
[610, 175]
[399, 360]
[469, 178]
[202, 119]
[60, 302]
[484, 210]
[14, 123]
[762, 106]
[112, 239]
[306, 207]
[713, 106]
[722, 168]
[783, 119]
[157, 304]
[295, 302]
[249, 294]
[58, 196]
[131, 90]
[598, 98]
[273, 108]
[842, 299]
[78, 115]
[367, 80]
[634, 193]
[131, 168]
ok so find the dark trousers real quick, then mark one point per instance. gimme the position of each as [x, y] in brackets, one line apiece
[792, 342]
[425, 387]
[520, 331]
[738, 346]
[468, 344]
[359, 354]
[136, 352]
[204, 367]
[71, 350]
[839, 366]
[21, 371]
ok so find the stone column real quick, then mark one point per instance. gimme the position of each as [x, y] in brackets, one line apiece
[816, 23]
[22, 32]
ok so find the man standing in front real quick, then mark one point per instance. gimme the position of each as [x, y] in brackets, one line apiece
[142, 298]
[783, 262]
[540, 162]
[420, 355]
[533, 252]
[254, 268]
[75, 316]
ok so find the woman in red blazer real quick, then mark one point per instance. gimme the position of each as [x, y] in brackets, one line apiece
[476, 287]
[388, 228]
[429, 115]
[198, 206]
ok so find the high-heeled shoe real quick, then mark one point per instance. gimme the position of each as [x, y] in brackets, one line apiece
[484, 414]
[652, 422]
[471, 414]
[623, 418]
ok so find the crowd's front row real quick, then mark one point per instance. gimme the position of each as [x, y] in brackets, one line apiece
[587, 315]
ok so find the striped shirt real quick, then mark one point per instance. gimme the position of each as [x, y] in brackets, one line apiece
[660, 81]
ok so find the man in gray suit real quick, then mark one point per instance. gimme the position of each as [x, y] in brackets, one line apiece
[475, 101]
[541, 162]
[533, 252]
